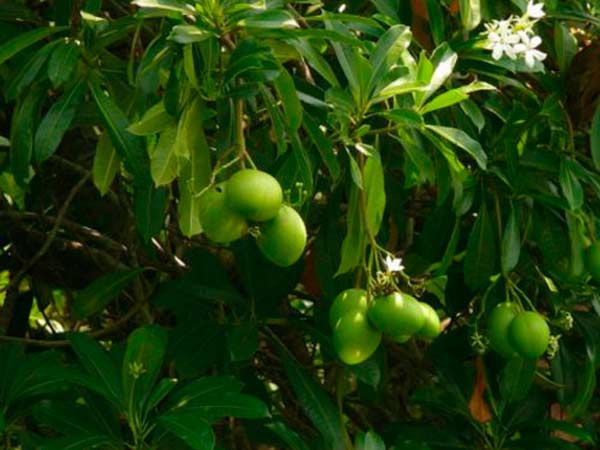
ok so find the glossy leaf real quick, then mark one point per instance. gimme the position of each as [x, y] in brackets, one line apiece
[464, 141]
[595, 138]
[143, 360]
[470, 13]
[517, 378]
[511, 243]
[98, 364]
[189, 427]
[22, 133]
[374, 192]
[57, 121]
[63, 62]
[106, 164]
[97, 295]
[480, 259]
[15, 45]
[570, 185]
[316, 405]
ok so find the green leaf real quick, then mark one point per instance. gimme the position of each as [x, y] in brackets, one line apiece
[106, 164]
[129, 147]
[166, 5]
[56, 122]
[353, 245]
[565, 45]
[22, 133]
[187, 34]
[24, 40]
[404, 116]
[155, 120]
[316, 405]
[369, 441]
[436, 21]
[517, 378]
[387, 52]
[287, 435]
[570, 185]
[286, 90]
[511, 243]
[162, 390]
[474, 113]
[163, 161]
[270, 18]
[98, 294]
[143, 360]
[316, 60]
[198, 389]
[190, 428]
[78, 442]
[62, 62]
[149, 206]
[29, 72]
[443, 59]
[454, 96]
[374, 192]
[215, 406]
[595, 138]
[480, 259]
[98, 364]
[470, 13]
[324, 146]
[586, 385]
[462, 140]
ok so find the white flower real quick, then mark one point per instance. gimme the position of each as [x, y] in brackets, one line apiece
[503, 43]
[393, 264]
[535, 10]
[528, 48]
[499, 26]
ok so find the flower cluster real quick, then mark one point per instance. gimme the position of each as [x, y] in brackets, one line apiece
[514, 37]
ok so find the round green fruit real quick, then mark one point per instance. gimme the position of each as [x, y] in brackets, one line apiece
[431, 328]
[497, 328]
[592, 260]
[529, 334]
[396, 314]
[347, 301]
[282, 240]
[254, 194]
[354, 339]
[219, 223]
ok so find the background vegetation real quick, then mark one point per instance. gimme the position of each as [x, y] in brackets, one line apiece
[391, 128]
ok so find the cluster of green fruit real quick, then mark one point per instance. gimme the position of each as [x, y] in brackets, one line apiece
[359, 325]
[516, 333]
[252, 197]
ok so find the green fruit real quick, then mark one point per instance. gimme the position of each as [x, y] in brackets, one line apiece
[592, 260]
[401, 339]
[431, 328]
[354, 339]
[282, 240]
[254, 194]
[396, 314]
[529, 334]
[497, 328]
[219, 223]
[347, 301]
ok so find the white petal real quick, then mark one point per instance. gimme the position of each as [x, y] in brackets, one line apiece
[540, 56]
[519, 48]
[535, 41]
[497, 52]
[510, 52]
[513, 39]
[529, 60]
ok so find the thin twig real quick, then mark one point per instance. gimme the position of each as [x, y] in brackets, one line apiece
[51, 236]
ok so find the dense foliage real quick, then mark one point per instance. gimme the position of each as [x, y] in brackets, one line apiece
[157, 292]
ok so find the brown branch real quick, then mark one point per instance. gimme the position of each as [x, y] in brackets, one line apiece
[51, 236]
[74, 227]
[108, 330]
